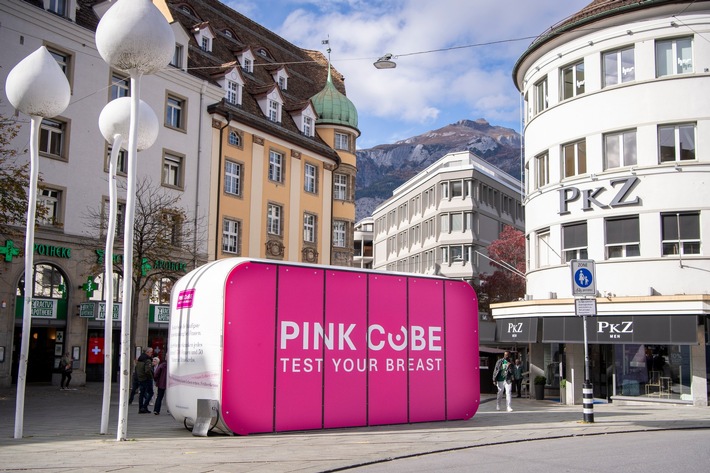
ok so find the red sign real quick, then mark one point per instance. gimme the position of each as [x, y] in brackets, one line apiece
[96, 351]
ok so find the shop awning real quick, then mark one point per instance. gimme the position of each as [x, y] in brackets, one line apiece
[649, 330]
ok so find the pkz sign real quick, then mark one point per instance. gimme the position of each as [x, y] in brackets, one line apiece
[599, 197]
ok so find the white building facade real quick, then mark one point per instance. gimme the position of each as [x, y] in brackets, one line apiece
[617, 159]
[73, 164]
[442, 220]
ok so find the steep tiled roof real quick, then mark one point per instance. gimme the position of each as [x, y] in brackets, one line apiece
[307, 70]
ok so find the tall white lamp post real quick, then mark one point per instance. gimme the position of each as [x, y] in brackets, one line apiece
[135, 37]
[37, 87]
[114, 123]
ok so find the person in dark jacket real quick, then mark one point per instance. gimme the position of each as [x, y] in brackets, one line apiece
[144, 373]
[503, 379]
[160, 375]
[66, 367]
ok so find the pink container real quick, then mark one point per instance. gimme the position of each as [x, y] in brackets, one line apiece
[314, 347]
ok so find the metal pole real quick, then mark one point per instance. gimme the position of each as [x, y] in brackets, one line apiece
[587, 389]
[108, 285]
[35, 124]
[125, 383]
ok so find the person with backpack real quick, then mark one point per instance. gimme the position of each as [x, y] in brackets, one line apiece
[503, 379]
[144, 373]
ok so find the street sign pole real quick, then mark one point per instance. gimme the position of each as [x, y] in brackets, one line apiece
[584, 283]
[587, 388]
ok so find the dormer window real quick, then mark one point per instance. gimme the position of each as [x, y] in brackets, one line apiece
[271, 104]
[274, 111]
[63, 8]
[305, 120]
[204, 36]
[58, 7]
[186, 10]
[233, 93]
[246, 59]
[228, 34]
[308, 126]
[233, 84]
[281, 78]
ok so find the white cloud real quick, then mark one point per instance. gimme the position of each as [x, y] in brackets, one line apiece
[456, 83]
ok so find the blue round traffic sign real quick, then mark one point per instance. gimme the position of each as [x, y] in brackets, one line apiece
[583, 277]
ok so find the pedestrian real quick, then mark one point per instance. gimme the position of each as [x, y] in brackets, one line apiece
[144, 372]
[161, 378]
[134, 383]
[503, 379]
[518, 376]
[65, 366]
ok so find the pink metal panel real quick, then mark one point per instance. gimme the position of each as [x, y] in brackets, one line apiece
[300, 349]
[462, 371]
[426, 350]
[347, 363]
[249, 337]
[387, 383]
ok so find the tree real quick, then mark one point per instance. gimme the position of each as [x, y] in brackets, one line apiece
[163, 232]
[506, 283]
[14, 180]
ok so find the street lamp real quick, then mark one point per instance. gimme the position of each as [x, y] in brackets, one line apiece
[114, 123]
[37, 87]
[385, 62]
[135, 37]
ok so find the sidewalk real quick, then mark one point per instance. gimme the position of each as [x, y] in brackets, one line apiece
[61, 433]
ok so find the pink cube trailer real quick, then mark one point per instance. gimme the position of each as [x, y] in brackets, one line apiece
[277, 346]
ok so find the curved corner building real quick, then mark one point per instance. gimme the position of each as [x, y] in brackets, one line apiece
[617, 167]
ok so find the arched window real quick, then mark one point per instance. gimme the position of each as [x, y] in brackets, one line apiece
[99, 293]
[234, 138]
[160, 294]
[48, 281]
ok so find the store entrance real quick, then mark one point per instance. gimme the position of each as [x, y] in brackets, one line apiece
[43, 349]
[601, 360]
[95, 359]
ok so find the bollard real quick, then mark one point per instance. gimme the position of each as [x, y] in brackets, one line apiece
[588, 402]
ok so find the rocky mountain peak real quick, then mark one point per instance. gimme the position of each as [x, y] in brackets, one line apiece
[383, 168]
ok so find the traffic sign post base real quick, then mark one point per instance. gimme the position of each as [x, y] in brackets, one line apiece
[588, 402]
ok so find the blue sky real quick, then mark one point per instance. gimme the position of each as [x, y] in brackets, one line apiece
[426, 90]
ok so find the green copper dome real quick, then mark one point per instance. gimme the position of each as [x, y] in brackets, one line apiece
[332, 107]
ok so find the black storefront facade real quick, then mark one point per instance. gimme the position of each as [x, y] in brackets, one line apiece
[633, 358]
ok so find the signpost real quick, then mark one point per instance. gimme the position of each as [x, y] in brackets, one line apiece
[584, 283]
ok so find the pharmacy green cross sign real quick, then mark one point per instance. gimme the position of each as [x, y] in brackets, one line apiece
[89, 286]
[9, 250]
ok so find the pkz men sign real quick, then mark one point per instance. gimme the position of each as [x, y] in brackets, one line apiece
[285, 346]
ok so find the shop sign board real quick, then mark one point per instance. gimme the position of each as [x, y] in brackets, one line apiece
[101, 315]
[584, 307]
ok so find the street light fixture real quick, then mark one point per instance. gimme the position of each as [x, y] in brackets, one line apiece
[37, 87]
[114, 123]
[385, 62]
[135, 37]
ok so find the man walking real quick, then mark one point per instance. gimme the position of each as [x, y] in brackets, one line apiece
[144, 373]
[503, 379]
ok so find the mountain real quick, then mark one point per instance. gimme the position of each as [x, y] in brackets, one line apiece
[383, 168]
